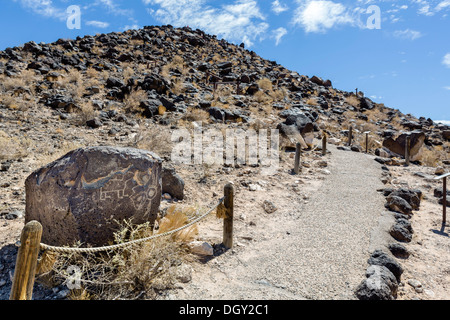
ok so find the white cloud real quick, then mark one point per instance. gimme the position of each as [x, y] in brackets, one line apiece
[429, 9]
[278, 7]
[446, 60]
[97, 24]
[132, 27]
[446, 122]
[408, 34]
[447, 88]
[425, 10]
[240, 21]
[114, 8]
[442, 5]
[45, 8]
[318, 16]
[278, 34]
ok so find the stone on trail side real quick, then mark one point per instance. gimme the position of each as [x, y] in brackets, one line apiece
[82, 195]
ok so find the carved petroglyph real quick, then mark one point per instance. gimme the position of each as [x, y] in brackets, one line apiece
[81, 195]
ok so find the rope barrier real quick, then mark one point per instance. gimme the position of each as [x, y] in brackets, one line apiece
[46, 247]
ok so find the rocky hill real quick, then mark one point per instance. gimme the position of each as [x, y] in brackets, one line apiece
[167, 75]
[135, 88]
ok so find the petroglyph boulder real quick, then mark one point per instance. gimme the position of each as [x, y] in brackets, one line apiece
[398, 145]
[80, 196]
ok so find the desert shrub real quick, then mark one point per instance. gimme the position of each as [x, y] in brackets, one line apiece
[265, 84]
[86, 112]
[137, 271]
[352, 100]
[195, 114]
[433, 156]
[13, 147]
[153, 139]
[133, 100]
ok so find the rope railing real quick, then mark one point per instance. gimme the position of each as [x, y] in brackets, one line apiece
[30, 244]
[46, 247]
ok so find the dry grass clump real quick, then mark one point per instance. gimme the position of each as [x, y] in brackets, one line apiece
[137, 271]
[154, 139]
[85, 113]
[133, 100]
[265, 84]
[13, 147]
[352, 100]
[433, 156]
[198, 115]
[312, 101]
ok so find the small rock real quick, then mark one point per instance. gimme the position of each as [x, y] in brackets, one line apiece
[380, 284]
[269, 207]
[380, 258]
[401, 231]
[439, 171]
[94, 123]
[322, 164]
[183, 273]
[334, 141]
[398, 250]
[172, 183]
[16, 214]
[254, 187]
[398, 204]
[5, 166]
[201, 248]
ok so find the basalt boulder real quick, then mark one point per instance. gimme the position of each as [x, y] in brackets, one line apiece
[82, 195]
[397, 146]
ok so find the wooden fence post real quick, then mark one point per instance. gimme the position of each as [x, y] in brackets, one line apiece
[26, 262]
[367, 141]
[444, 201]
[228, 220]
[324, 144]
[407, 149]
[350, 136]
[298, 153]
[444, 196]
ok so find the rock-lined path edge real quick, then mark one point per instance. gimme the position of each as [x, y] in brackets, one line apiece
[318, 250]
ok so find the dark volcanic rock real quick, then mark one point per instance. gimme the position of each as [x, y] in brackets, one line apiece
[402, 230]
[398, 250]
[380, 284]
[398, 145]
[398, 204]
[172, 183]
[79, 196]
[381, 258]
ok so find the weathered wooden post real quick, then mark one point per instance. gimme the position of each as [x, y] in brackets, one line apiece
[350, 136]
[367, 141]
[26, 262]
[228, 220]
[298, 153]
[407, 149]
[324, 144]
[444, 196]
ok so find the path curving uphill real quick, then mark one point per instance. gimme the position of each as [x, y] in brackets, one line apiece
[317, 250]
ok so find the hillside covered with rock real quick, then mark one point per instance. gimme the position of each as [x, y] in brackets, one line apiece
[135, 88]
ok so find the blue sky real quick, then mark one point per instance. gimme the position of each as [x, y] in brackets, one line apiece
[396, 52]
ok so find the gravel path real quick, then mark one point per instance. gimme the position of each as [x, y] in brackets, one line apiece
[317, 250]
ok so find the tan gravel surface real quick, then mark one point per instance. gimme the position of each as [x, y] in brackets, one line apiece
[313, 250]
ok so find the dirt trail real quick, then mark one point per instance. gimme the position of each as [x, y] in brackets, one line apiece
[313, 250]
